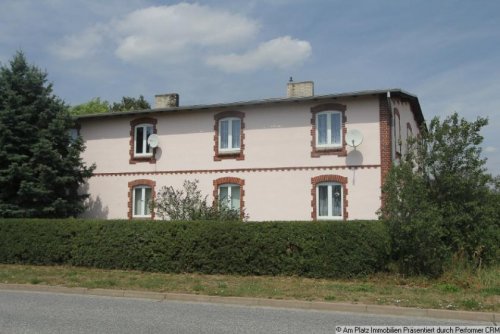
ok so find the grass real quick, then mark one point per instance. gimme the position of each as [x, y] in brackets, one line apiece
[459, 289]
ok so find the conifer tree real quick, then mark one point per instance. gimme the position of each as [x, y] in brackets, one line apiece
[40, 166]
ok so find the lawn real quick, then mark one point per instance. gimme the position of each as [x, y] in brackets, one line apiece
[456, 290]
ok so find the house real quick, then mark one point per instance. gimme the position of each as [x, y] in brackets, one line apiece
[280, 159]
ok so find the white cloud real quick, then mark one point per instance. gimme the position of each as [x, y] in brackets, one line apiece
[282, 52]
[176, 33]
[169, 29]
[81, 45]
[490, 149]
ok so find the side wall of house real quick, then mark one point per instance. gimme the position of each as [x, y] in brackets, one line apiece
[277, 166]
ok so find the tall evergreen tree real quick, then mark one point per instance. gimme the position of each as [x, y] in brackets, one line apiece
[40, 165]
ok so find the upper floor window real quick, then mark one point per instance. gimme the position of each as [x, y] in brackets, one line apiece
[328, 129]
[229, 135]
[140, 130]
[329, 200]
[141, 146]
[397, 133]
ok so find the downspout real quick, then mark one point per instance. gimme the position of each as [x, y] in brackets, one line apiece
[393, 126]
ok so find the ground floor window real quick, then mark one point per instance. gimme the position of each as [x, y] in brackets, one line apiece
[142, 200]
[229, 195]
[329, 200]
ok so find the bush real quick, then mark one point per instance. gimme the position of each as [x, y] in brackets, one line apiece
[312, 249]
[189, 204]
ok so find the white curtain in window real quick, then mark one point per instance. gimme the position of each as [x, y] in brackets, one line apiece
[323, 201]
[138, 202]
[236, 125]
[147, 199]
[336, 200]
[224, 134]
[322, 129]
[336, 122]
[235, 197]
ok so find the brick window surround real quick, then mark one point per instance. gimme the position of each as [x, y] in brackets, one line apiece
[329, 178]
[409, 131]
[232, 180]
[317, 152]
[131, 186]
[143, 120]
[238, 155]
[397, 135]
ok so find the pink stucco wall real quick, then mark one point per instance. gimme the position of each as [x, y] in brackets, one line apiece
[276, 136]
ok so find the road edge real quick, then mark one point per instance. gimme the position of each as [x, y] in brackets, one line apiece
[262, 302]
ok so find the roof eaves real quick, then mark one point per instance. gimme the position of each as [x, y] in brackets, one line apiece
[247, 103]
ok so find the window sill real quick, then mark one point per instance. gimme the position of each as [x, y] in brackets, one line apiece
[328, 147]
[340, 151]
[330, 218]
[229, 152]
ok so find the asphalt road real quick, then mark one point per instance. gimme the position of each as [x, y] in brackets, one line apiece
[36, 312]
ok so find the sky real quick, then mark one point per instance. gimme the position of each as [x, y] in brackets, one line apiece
[446, 52]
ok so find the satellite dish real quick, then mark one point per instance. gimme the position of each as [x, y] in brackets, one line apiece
[153, 140]
[354, 138]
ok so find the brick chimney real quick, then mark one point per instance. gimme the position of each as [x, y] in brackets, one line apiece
[167, 100]
[300, 89]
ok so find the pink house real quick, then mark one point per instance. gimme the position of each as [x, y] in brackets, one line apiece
[280, 159]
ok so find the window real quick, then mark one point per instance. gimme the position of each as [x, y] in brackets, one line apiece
[329, 200]
[141, 135]
[397, 133]
[229, 135]
[230, 191]
[140, 130]
[141, 194]
[142, 200]
[229, 196]
[409, 131]
[329, 129]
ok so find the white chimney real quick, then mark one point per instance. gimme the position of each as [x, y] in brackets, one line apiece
[167, 100]
[300, 89]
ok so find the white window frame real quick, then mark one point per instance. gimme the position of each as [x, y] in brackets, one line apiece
[329, 143]
[230, 148]
[143, 197]
[144, 126]
[330, 215]
[229, 187]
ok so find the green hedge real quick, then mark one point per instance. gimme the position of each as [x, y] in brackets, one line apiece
[313, 249]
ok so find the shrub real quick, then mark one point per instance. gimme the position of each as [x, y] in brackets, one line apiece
[312, 249]
[189, 204]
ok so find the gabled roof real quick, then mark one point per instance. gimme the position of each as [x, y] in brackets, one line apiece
[394, 92]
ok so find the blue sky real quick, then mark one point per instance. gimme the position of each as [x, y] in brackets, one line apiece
[445, 52]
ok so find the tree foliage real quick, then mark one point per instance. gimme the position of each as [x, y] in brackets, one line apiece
[130, 103]
[94, 106]
[441, 196]
[189, 204]
[40, 166]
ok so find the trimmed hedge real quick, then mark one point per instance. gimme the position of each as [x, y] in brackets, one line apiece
[312, 249]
